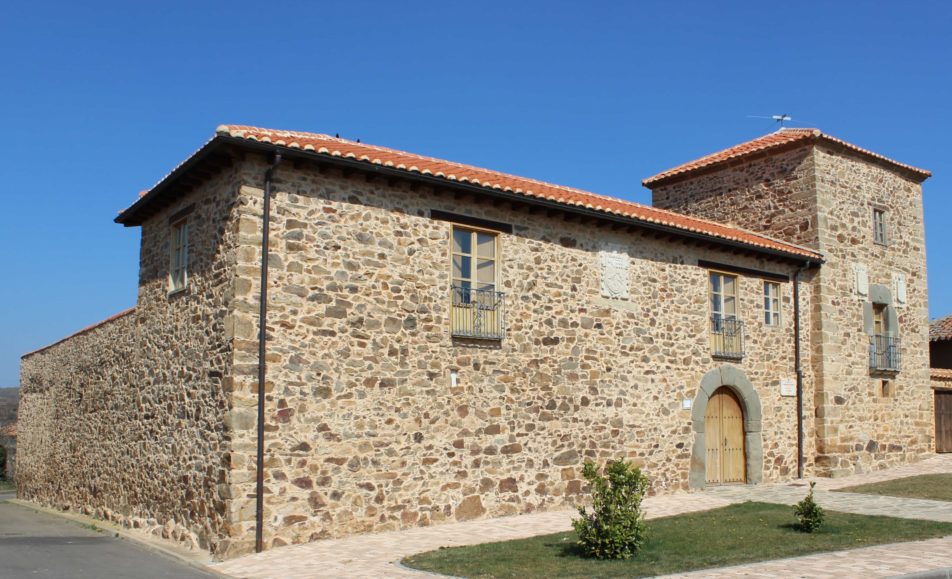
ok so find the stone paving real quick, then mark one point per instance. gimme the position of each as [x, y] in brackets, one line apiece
[377, 555]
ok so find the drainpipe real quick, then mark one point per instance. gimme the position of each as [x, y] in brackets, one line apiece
[262, 367]
[799, 366]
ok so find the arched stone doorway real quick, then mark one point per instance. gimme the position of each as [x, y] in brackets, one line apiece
[736, 381]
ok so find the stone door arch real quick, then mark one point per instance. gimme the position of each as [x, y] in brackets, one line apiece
[735, 379]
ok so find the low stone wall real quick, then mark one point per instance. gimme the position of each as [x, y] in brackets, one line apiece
[125, 420]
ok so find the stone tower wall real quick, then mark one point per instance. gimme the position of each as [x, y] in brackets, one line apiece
[772, 194]
[860, 428]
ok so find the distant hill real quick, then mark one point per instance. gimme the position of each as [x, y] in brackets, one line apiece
[9, 398]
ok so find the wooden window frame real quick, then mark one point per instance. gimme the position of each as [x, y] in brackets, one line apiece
[473, 280]
[773, 307]
[178, 255]
[880, 226]
[711, 293]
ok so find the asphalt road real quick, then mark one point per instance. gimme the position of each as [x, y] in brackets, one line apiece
[36, 545]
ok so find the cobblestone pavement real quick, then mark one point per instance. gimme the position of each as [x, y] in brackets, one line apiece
[376, 555]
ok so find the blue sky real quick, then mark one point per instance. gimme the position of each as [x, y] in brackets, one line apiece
[100, 100]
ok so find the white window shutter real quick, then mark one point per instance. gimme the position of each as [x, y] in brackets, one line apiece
[862, 279]
[899, 284]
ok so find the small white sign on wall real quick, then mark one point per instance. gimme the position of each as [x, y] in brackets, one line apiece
[788, 387]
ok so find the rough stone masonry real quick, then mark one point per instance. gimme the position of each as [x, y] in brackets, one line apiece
[379, 418]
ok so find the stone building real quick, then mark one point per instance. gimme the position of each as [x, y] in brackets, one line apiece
[8, 441]
[940, 359]
[445, 342]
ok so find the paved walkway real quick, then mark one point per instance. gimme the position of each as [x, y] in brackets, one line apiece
[376, 555]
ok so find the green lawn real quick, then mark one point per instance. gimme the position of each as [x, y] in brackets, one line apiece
[732, 535]
[937, 487]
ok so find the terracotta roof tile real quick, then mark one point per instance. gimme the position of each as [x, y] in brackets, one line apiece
[940, 329]
[774, 140]
[460, 173]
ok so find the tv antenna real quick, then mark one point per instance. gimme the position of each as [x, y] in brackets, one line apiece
[780, 119]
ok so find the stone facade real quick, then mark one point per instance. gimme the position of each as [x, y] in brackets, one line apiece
[8, 442]
[365, 431]
[126, 420]
[377, 418]
[823, 197]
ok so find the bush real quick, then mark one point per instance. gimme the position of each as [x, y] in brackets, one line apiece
[809, 514]
[615, 529]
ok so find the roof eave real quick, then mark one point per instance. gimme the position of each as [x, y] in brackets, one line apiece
[914, 173]
[293, 153]
[127, 217]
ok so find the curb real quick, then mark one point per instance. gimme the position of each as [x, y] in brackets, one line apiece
[196, 560]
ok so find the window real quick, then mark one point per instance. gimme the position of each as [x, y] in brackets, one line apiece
[879, 226]
[178, 258]
[884, 346]
[879, 319]
[771, 303]
[727, 332]
[477, 306]
[723, 295]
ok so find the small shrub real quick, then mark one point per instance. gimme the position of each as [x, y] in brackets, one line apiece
[615, 529]
[809, 514]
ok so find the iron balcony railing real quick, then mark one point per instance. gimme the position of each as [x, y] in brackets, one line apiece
[478, 313]
[727, 337]
[884, 353]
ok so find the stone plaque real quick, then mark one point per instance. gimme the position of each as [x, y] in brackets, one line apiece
[614, 274]
[788, 387]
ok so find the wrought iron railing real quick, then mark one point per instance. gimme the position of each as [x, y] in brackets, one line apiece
[477, 313]
[727, 337]
[884, 353]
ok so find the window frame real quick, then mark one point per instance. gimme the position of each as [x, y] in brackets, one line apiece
[711, 293]
[773, 317]
[474, 255]
[178, 268]
[497, 317]
[880, 226]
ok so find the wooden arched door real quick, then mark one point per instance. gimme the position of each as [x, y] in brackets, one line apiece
[725, 460]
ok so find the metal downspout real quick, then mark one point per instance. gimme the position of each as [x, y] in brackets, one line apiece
[799, 366]
[262, 367]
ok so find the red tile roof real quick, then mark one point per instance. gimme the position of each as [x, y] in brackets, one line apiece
[940, 329]
[785, 136]
[89, 328]
[9, 430]
[457, 172]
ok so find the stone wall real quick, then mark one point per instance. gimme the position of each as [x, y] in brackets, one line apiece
[773, 194]
[860, 428]
[125, 421]
[365, 431]
[823, 198]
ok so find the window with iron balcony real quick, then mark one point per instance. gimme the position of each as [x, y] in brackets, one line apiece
[884, 351]
[727, 331]
[477, 309]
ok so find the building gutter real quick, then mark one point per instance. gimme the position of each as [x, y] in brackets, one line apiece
[262, 362]
[798, 364]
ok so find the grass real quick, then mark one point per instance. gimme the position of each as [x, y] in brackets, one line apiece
[6, 485]
[742, 533]
[937, 487]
